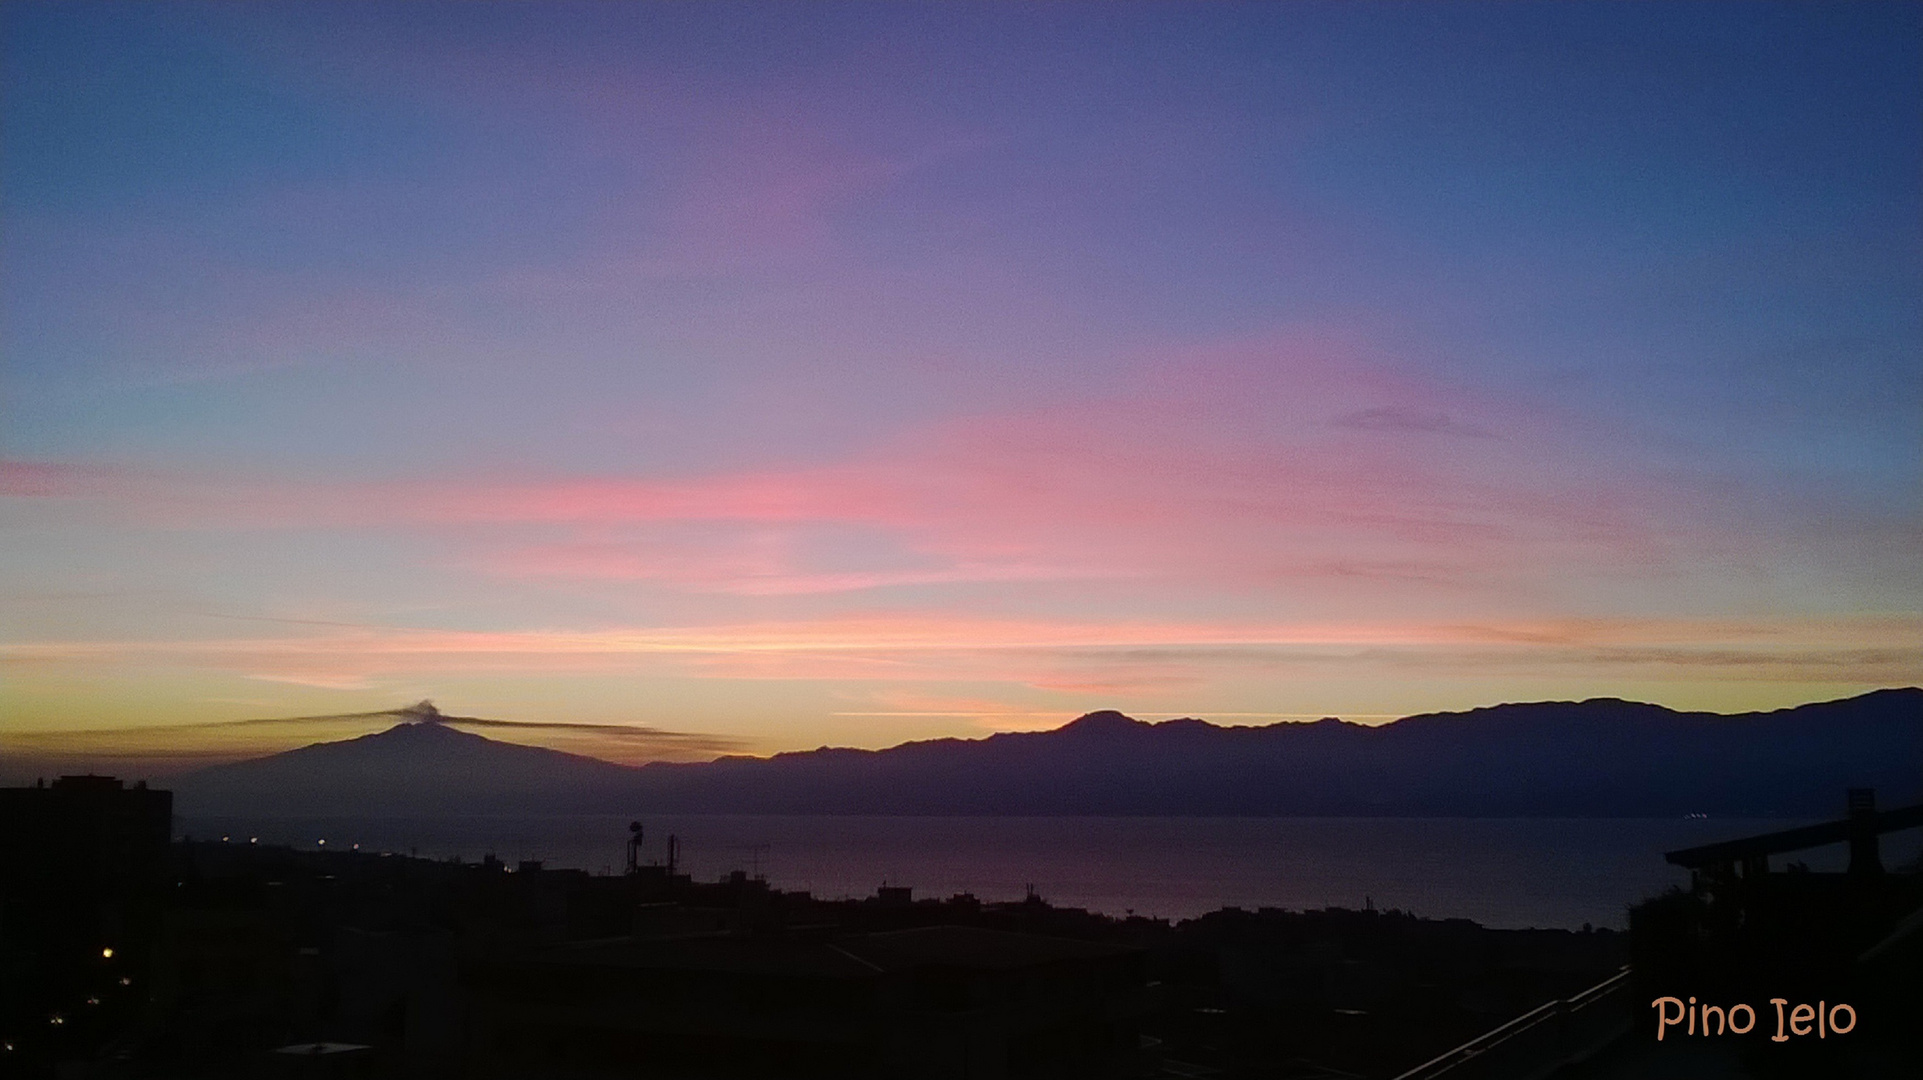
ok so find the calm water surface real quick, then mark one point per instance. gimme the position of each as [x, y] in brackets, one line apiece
[1506, 872]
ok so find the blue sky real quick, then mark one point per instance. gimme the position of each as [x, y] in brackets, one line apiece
[923, 369]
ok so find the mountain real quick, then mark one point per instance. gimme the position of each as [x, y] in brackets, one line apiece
[1593, 758]
[427, 768]
[1601, 757]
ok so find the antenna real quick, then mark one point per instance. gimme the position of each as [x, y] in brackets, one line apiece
[674, 853]
[634, 847]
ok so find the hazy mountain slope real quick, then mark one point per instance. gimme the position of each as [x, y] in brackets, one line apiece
[1599, 757]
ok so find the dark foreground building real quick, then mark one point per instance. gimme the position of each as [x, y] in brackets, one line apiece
[84, 877]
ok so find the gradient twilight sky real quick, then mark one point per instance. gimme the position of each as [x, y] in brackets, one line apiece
[778, 375]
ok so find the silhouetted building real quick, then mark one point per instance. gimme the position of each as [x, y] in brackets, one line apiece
[83, 874]
[1748, 932]
[89, 833]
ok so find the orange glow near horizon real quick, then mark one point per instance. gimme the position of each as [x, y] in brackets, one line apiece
[884, 665]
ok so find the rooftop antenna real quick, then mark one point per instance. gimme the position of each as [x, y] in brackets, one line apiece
[634, 847]
[674, 853]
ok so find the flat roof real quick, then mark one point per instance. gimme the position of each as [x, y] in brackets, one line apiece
[1809, 836]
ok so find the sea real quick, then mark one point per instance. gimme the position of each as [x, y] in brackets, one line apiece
[1500, 872]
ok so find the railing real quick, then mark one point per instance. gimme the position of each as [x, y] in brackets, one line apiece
[1538, 1040]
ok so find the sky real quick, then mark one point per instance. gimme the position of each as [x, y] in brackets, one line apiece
[754, 377]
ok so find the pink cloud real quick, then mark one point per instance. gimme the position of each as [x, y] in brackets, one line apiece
[750, 564]
[1087, 656]
[1224, 468]
[52, 479]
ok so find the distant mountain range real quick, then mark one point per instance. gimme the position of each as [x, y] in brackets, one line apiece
[1596, 758]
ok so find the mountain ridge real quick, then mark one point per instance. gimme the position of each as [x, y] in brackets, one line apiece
[1595, 757]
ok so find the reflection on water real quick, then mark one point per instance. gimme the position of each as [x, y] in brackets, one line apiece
[1504, 872]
